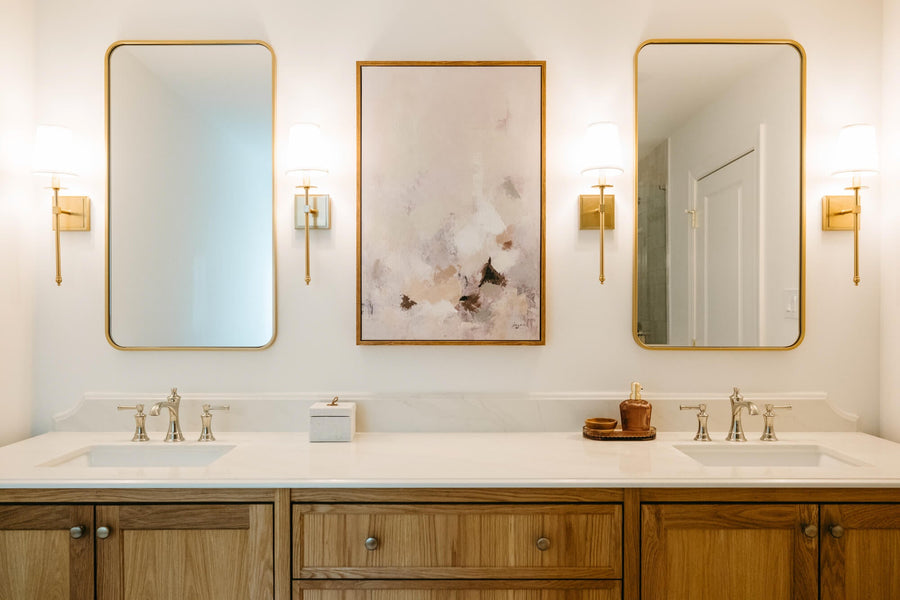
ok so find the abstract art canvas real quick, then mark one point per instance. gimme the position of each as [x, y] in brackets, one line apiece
[450, 206]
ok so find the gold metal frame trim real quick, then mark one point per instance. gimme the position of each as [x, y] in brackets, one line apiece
[109, 52]
[465, 63]
[802, 282]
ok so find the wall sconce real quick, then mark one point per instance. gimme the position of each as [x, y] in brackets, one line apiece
[603, 153]
[305, 157]
[856, 155]
[54, 155]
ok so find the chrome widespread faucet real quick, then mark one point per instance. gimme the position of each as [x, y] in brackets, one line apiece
[173, 402]
[736, 433]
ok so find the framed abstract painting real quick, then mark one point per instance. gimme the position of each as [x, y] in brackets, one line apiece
[450, 202]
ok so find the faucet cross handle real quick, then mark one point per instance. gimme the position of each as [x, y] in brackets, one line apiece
[702, 419]
[768, 434]
[140, 429]
[206, 434]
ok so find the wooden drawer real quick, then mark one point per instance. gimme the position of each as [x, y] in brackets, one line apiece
[460, 589]
[479, 541]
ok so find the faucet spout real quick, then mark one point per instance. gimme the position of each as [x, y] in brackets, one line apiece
[736, 432]
[173, 403]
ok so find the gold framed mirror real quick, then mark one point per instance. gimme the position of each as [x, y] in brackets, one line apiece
[190, 239]
[719, 245]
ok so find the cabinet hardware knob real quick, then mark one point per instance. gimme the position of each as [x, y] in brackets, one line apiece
[836, 531]
[77, 531]
[371, 543]
[542, 544]
[103, 532]
[811, 531]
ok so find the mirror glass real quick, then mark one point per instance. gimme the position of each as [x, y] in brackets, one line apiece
[719, 211]
[190, 247]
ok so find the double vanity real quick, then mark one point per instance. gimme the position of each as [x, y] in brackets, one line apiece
[460, 515]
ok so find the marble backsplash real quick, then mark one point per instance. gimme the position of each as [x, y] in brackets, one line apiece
[452, 412]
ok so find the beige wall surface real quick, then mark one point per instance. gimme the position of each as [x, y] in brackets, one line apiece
[19, 203]
[588, 46]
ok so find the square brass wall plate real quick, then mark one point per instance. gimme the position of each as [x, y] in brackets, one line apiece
[79, 214]
[590, 215]
[319, 202]
[837, 222]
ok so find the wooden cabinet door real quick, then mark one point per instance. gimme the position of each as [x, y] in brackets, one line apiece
[448, 541]
[39, 557]
[729, 551]
[178, 551]
[860, 560]
[458, 589]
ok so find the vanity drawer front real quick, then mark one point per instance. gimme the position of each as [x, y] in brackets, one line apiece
[433, 541]
[459, 589]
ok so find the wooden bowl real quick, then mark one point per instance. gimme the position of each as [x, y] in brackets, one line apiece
[602, 423]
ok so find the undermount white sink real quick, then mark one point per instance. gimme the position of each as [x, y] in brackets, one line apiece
[775, 454]
[142, 455]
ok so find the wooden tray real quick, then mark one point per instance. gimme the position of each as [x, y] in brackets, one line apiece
[617, 435]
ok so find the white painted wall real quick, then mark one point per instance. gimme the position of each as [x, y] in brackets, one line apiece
[890, 224]
[18, 227]
[588, 46]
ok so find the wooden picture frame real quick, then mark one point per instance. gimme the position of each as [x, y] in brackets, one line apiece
[451, 202]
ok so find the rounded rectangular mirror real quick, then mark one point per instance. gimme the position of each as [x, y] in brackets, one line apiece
[719, 211]
[190, 231]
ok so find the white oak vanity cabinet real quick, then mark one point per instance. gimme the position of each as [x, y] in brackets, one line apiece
[128, 551]
[450, 544]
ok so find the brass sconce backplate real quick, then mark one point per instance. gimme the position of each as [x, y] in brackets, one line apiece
[74, 215]
[590, 212]
[837, 213]
[317, 220]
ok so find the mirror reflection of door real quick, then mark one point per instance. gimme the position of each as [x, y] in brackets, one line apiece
[720, 143]
[726, 248]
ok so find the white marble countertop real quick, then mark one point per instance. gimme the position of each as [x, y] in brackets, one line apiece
[278, 460]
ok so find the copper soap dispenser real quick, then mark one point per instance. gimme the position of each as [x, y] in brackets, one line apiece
[635, 412]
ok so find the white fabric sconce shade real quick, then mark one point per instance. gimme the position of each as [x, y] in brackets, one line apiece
[305, 152]
[857, 151]
[54, 151]
[602, 150]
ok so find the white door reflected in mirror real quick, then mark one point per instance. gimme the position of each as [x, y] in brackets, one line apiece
[719, 194]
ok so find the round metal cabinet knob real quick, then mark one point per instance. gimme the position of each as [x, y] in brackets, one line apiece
[77, 531]
[371, 543]
[836, 531]
[103, 532]
[542, 544]
[811, 531]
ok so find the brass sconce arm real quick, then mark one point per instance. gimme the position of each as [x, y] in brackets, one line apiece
[856, 155]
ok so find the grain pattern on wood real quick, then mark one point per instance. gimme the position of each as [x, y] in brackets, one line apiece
[282, 516]
[185, 516]
[476, 540]
[728, 552]
[451, 495]
[792, 495]
[224, 561]
[39, 559]
[458, 590]
[122, 496]
[631, 551]
[861, 564]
